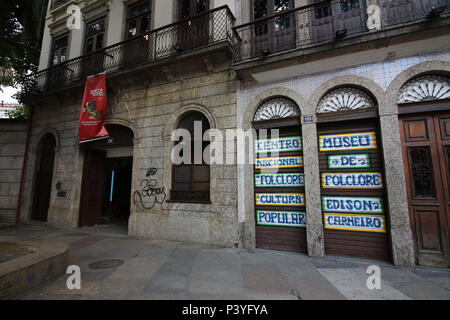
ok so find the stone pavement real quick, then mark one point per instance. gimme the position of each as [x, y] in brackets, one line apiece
[157, 269]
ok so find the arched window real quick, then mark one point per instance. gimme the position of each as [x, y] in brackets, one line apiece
[425, 88]
[345, 99]
[191, 181]
[276, 108]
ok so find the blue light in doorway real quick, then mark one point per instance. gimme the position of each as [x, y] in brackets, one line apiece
[112, 187]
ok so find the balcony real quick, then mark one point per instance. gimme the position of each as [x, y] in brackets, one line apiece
[56, 3]
[187, 36]
[328, 22]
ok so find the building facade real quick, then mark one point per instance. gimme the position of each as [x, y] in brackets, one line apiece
[366, 83]
[357, 90]
[167, 64]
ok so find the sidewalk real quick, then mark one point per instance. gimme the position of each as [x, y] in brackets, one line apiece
[156, 269]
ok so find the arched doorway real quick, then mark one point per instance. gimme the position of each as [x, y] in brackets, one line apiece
[43, 177]
[352, 175]
[107, 177]
[278, 177]
[424, 120]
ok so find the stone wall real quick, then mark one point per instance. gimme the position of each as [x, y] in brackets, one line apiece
[13, 134]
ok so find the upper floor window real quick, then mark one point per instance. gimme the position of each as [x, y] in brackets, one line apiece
[348, 5]
[189, 8]
[138, 19]
[60, 49]
[263, 8]
[95, 36]
[323, 11]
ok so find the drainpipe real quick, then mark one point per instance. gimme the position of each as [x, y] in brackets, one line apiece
[19, 201]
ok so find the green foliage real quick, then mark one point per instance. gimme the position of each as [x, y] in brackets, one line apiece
[21, 113]
[22, 25]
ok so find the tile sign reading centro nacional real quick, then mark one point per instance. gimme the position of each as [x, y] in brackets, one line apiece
[348, 212]
[270, 186]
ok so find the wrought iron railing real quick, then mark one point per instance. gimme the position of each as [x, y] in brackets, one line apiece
[325, 21]
[202, 30]
[57, 3]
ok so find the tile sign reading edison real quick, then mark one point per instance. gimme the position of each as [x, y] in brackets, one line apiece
[349, 170]
[279, 182]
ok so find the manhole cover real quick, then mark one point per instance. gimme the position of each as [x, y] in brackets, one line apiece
[106, 264]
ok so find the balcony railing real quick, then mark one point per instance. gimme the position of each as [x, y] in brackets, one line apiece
[202, 30]
[326, 21]
[57, 3]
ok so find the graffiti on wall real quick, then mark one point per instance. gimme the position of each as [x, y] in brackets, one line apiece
[150, 193]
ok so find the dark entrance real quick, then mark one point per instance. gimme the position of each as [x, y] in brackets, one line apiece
[43, 179]
[107, 175]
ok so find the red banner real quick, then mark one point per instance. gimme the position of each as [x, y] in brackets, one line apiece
[93, 109]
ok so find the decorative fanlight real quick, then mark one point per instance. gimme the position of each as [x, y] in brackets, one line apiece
[425, 88]
[343, 99]
[276, 108]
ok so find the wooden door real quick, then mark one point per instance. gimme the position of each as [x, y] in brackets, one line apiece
[138, 26]
[329, 17]
[92, 190]
[275, 34]
[193, 33]
[43, 182]
[426, 147]
[280, 192]
[95, 40]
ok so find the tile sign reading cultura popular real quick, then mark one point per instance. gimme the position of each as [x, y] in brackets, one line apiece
[346, 209]
[274, 189]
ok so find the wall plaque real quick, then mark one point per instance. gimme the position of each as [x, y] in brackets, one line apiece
[356, 180]
[280, 218]
[350, 141]
[279, 180]
[286, 144]
[353, 222]
[280, 199]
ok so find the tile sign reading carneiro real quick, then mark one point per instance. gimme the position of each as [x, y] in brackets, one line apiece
[270, 179]
[347, 153]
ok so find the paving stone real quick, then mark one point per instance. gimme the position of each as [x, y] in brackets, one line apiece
[264, 278]
[77, 259]
[422, 290]
[329, 264]
[352, 283]
[171, 270]
[96, 276]
[173, 276]
[84, 242]
[309, 283]
[217, 271]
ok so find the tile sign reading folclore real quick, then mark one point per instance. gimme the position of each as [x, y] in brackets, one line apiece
[274, 190]
[349, 169]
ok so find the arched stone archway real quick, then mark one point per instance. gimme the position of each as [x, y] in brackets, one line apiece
[107, 177]
[424, 118]
[43, 177]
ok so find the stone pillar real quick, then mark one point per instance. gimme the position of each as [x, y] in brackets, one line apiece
[400, 228]
[314, 224]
